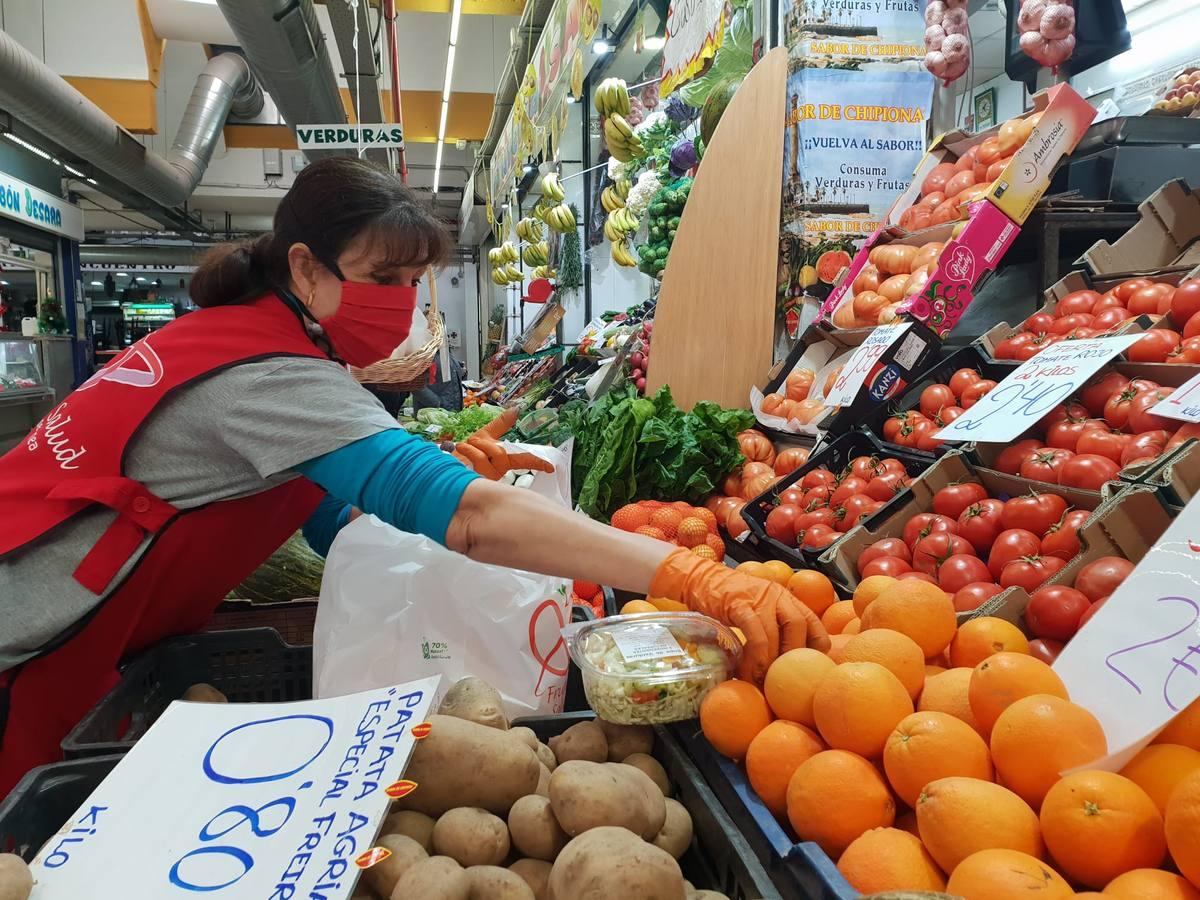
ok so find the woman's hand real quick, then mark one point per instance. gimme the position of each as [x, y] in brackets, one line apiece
[483, 452]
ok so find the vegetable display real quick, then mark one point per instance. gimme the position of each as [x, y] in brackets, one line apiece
[290, 573]
[940, 404]
[894, 273]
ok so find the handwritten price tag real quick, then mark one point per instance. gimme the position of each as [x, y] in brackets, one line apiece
[1183, 404]
[861, 362]
[1137, 662]
[1033, 389]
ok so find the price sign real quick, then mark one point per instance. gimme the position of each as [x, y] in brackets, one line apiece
[1137, 662]
[241, 800]
[1183, 404]
[856, 369]
[1034, 388]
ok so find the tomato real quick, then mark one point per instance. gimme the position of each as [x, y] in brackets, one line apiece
[1150, 300]
[1187, 433]
[781, 523]
[1091, 611]
[892, 426]
[818, 478]
[934, 397]
[1062, 538]
[1095, 393]
[1067, 324]
[1155, 346]
[1108, 301]
[1039, 323]
[1103, 443]
[886, 565]
[1108, 319]
[953, 499]
[852, 510]
[1009, 545]
[1046, 650]
[851, 484]
[1140, 417]
[1083, 333]
[1102, 576]
[972, 596]
[1064, 411]
[1192, 328]
[818, 496]
[1054, 612]
[1077, 302]
[1126, 289]
[1145, 447]
[1117, 407]
[960, 570]
[819, 537]
[1010, 348]
[1030, 571]
[1144, 384]
[972, 394]
[1065, 435]
[885, 487]
[1045, 464]
[1088, 471]
[1185, 302]
[918, 576]
[892, 465]
[934, 549]
[865, 467]
[925, 524]
[979, 523]
[1035, 346]
[1010, 458]
[821, 516]
[792, 496]
[1187, 353]
[927, 439]
[893, 548]
[1033, 512]
[963, 379]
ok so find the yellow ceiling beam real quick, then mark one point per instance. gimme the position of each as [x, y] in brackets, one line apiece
[469, 7]
[134, 104]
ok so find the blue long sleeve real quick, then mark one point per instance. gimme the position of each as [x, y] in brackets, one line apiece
[407, 482]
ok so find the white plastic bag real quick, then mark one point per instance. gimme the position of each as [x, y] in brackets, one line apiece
[395, 607]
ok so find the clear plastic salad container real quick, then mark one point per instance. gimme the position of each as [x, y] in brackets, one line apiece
[649, 668]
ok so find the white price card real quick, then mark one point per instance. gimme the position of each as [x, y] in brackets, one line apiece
[856, 369]
[1136, 663]
[1183, 404]
[240, 800]
[1034, 388]
[647, 642]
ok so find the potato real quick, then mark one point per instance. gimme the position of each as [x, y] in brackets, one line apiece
[16, 881]
[463, 763]
[543, 785]
[653, 768]
[536, 874]
[494, 883]
[547, 757]
[382, 877]
[584, 740]
[525, 736]
[535, 832]
[475, 700]
[653, 800]
[587, 795]
[471, 837]
[612, 862]
[626, 740]
[203, 693]
[415, 825]
[676, 834]
[436, 878]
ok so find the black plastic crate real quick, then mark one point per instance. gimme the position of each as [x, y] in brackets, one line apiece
[45, 799]
[720, 858]
[835, 457]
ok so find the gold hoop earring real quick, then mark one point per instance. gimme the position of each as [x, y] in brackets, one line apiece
[312, 293]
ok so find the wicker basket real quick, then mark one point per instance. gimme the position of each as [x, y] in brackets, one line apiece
[409, 373]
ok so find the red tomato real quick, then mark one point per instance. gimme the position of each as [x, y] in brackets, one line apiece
[1011, 347]
[1088, 471]
[1145, 447]
[1140, 417]
[1054, 612]
[1045, 464]
[891, 464]
[953, 499]
[926, 439]
[886, 565]
[1010, 458]
[1062, 539]
[1108, 300]
[972, 394]
[925, 524]
[816, 497]
[972, 596]
[781, 523]
[934, 397]
[817, 478]
[1183, 435]
[1045, 650]
[1091, 611]
[1187, 353]
[963, 379]
[1150, 300]
[887, 547]
[1102, 576]
[948, 414]
[1103, 443]
[979, 523]
[1036, 345]
[1156, 346]
[821, 516]
[1033, 512]
[960, 183]
[1068, 324]
[892, 426]
[1192, 328]
[1038, 323]
[1108, 319]
[1117, 407]
[819, 537]
[885, 487]
[919, 576]
[1083, 334]
[934, 549]
[1063, 412]
[1096, 392]
[1030, 571]
[792, 496]
[1185, 302]
[1126, 289]
[1065, 435]
[865, 467]
[1010, 545]
[852, 509]
[960, 570]
[1077, 302]
[850, 485]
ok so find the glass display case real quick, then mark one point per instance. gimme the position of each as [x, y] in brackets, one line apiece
[20, 365]
[25, 395]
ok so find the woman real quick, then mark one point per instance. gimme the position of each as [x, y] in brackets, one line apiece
[156, 487]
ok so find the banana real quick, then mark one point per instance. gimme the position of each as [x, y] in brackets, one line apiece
[577, 73]
[510, 252]
[552, 188]
[610, 199]
[612, 233]
[561, 219]
[494, 257]
[621, 255]
[622, 187]
[498, 277]
[513, 273]
[612, 96]
[620, 124]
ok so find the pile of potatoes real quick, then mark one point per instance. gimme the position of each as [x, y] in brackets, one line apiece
[498, 815]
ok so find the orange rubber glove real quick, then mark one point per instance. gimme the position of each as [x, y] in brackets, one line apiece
[770, 617]
[483, 453]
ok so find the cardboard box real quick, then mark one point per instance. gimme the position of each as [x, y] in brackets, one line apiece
[1177, 474]
[1168, 235]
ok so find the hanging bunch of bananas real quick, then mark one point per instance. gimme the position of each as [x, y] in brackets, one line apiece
[547, 272]
[501, 260]
[611, 200]
[560, 218]
[620, 224]
[622, 257]
[623, 186]
[530, 229]
[612, 98]
[552, 188]
[622, 143]
[536, 254]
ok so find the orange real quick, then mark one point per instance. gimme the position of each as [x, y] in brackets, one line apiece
[1183, 729]
[931, 670]
[960, 816]
[631, 517]
[868, 589]
[638, 606]
[692, 532]
[731, 715]
[1183, 827]
[812, 589]
[778, 571]
[1149, 884]
[947, 692]
[662, 604]
[927, 746]
[1037, 738]
[921, 610]
[888, 859]
[1000, 680]
[837, 616]
[858, 705]
[1159, 768]
[774, 755]
[897, 653]
[652, 532]
[854, 626]
[836, 796]
[977, 639]
[751, 568]
[792, 681]
[1005, 874]
[708, 517]
[717, 545]
[837, 643]
[668, 520]
[1098, 825]
[705, 552]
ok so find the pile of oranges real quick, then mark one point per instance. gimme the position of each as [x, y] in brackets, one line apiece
[923, 756]
[682, 524]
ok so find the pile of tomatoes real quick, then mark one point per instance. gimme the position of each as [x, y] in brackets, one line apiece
[941, 403]
[1087, 314]
[1057, 611]
[973, 546]
[894, 272]
[822, 506]
[794, 403]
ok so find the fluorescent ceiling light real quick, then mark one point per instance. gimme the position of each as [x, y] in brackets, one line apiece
[449, 75]
[97, 284]
[437, 168]
[655, 42]
[28, 146]
[92, 181]
[455, 19]
[5, 283]
[442, 121]
[600, 47]
[74, 171]
[122, 274]
[455, 16]
[139, 278]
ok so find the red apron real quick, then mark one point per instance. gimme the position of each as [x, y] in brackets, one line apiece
[73, 459]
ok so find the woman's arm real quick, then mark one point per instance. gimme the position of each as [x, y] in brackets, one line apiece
[327, 520]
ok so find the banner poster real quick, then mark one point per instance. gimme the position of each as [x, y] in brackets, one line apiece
[695, 29]
[854, 30]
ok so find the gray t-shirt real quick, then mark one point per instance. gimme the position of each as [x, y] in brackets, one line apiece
[236, 433]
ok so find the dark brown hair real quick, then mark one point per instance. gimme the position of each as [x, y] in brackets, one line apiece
[332, 202]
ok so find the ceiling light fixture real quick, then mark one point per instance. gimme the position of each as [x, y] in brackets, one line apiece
[21, 142]
[455, 21]
[122, 274]
[655, 42]
[97, 284]
[602, 45]
[74, 171]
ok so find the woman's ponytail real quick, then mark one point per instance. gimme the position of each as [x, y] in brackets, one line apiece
[233, 273]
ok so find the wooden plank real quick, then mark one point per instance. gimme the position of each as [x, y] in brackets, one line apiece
[716, 310]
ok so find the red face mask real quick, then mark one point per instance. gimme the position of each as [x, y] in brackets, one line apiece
[373, 320]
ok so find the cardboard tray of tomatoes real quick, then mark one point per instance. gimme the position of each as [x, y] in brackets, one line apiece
[835, 457]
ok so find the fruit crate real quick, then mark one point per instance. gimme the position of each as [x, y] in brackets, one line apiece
[800, 870]
[721, 857]
[294, 619]
[46, 798]
[833, 456]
